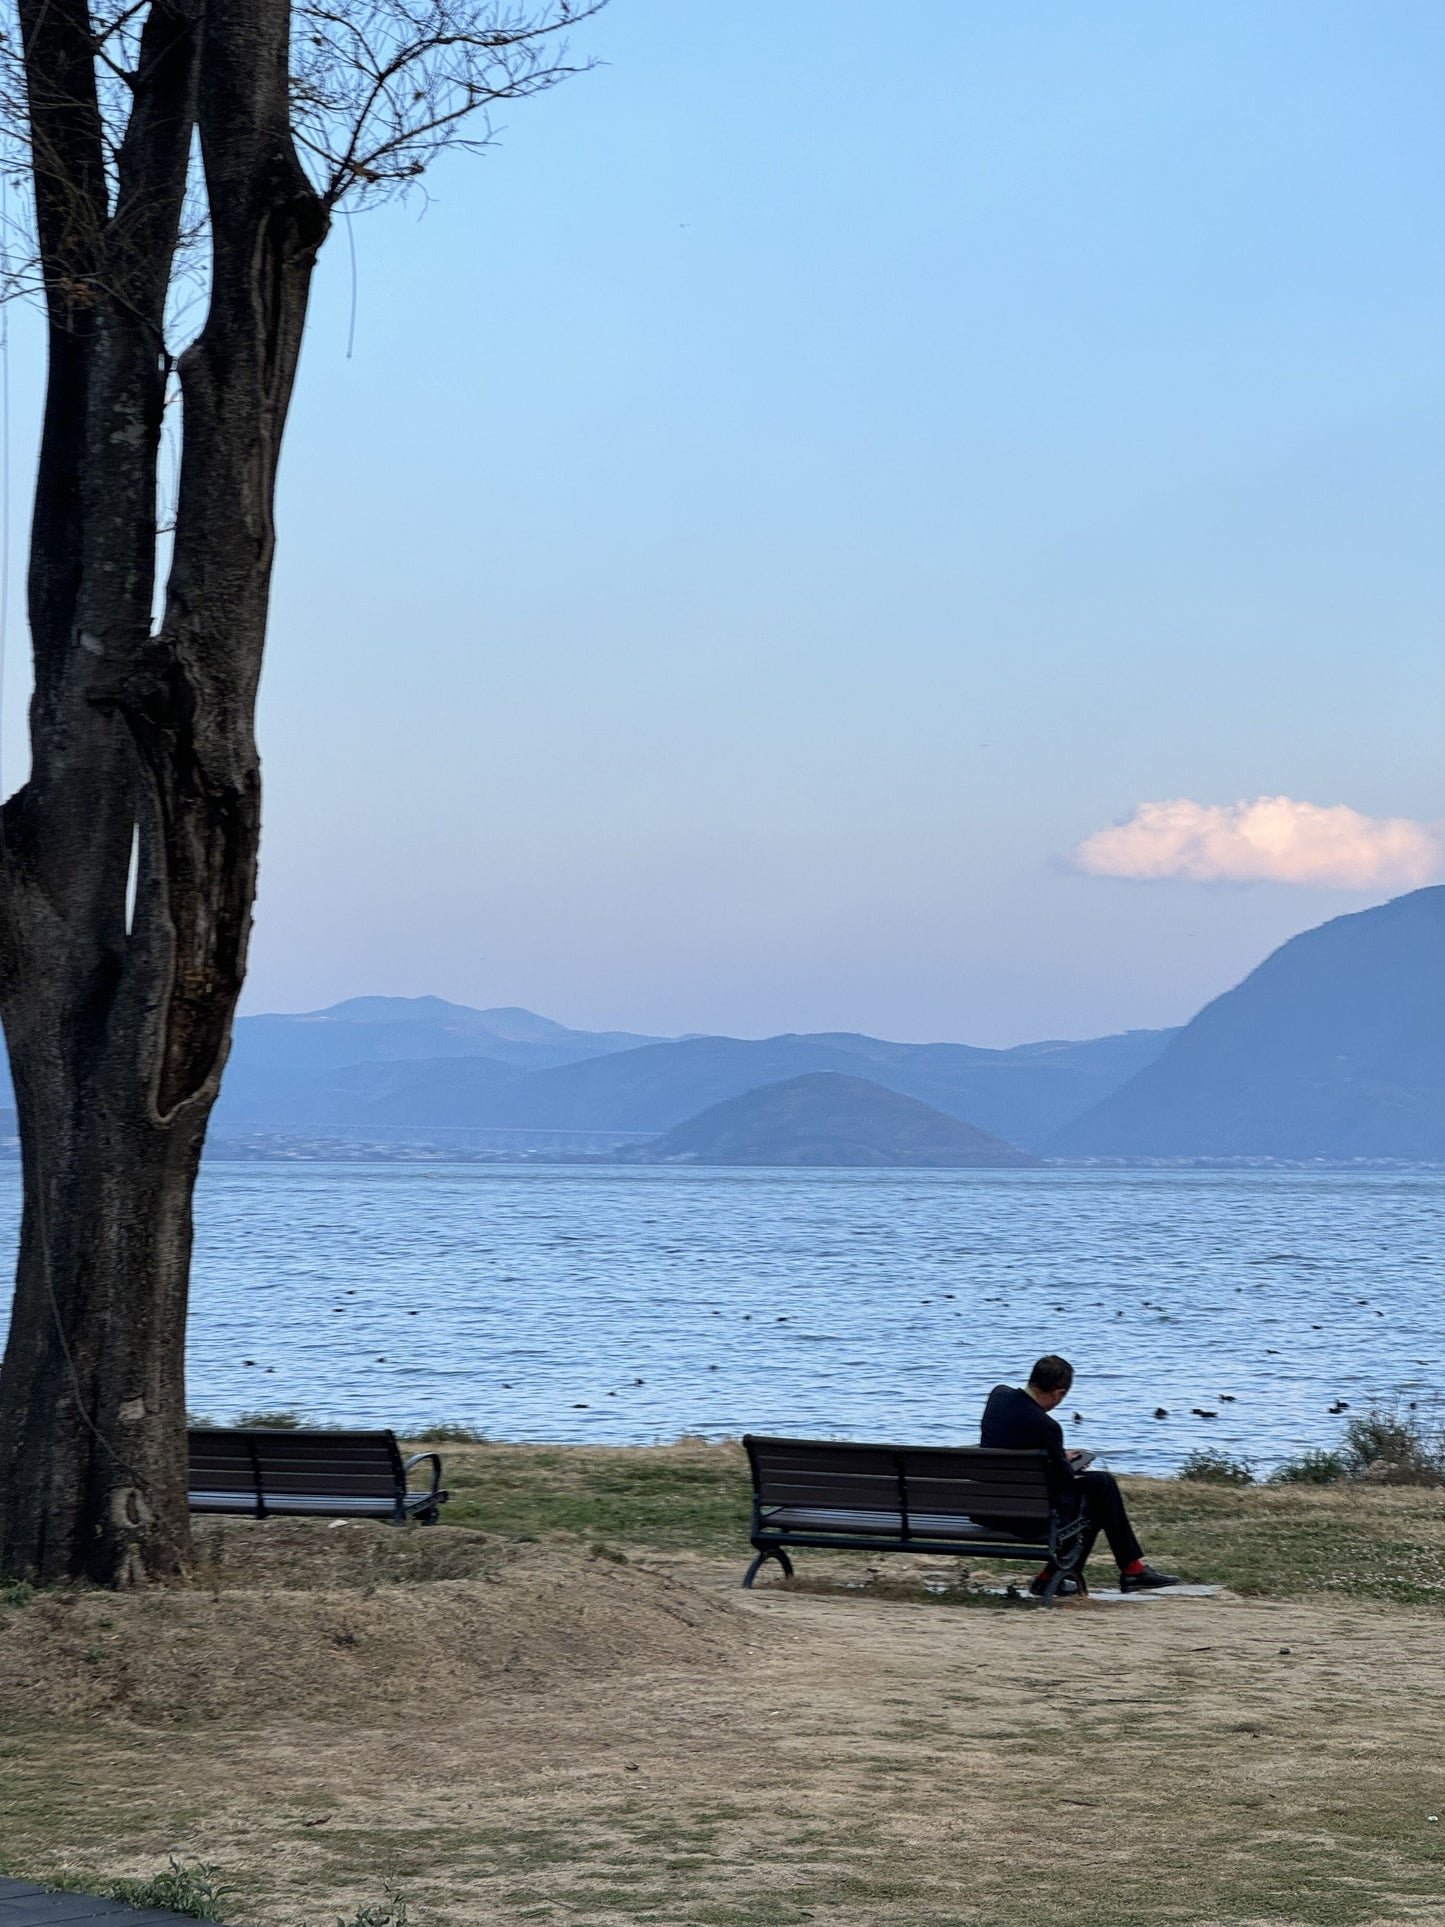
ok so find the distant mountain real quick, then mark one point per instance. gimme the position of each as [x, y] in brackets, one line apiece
[368, 1030]
[825, 1118]
[1333, 1048]
[1021, 1095]
[1017, 1095]
[403, 1066]
[340, 1067]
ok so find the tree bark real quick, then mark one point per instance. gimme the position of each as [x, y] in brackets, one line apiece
[144, 766]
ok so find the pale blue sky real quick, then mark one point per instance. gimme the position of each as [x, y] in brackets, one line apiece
[823, 465]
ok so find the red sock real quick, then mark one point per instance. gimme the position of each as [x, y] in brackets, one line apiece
[1134, 1565]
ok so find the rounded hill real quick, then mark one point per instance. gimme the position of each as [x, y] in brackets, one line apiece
[826, 1117]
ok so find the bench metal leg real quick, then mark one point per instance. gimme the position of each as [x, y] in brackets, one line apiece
[768, 1552]
[1060, 1573]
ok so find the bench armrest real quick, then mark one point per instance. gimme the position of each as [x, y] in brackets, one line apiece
[426, 1458]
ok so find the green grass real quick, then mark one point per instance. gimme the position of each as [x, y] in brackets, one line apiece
[671, 1498]
[1290, 1541]
[1286, 1541]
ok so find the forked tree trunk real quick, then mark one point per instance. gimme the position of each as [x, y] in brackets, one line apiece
[145, 781]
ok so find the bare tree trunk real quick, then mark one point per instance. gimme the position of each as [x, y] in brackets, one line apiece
[144, 766]
[128, 861]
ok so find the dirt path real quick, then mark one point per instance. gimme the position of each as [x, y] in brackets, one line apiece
[827, 1757]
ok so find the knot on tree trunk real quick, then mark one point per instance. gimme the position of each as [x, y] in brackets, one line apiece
[131, 1520]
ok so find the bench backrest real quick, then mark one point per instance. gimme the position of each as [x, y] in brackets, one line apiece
[286, 1468]
[960, 1480]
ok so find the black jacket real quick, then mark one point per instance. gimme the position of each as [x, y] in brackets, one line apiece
[1013, 1422]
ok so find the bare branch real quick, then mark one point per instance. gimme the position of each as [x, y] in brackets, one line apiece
[104, 31]
[66, 135]
[380, 88]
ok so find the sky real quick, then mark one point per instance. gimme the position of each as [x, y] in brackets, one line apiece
[838, 520]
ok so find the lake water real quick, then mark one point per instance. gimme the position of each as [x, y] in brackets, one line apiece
[624, 1304]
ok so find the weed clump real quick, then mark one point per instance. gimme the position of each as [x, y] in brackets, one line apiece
[391, 1912]
[1389, 1446]
[1385, 1445]
[448, 1432]
[283, 1421]
[1311, 1468]
[193, 1891]
[1216, 1468]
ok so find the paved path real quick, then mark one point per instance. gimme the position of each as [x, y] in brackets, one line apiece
[23, 1904]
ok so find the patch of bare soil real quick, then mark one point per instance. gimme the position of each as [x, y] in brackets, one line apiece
[316, 1555]
[665, 1750]
[367, 1641]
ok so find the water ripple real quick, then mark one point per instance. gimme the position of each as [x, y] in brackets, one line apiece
[614, 1305]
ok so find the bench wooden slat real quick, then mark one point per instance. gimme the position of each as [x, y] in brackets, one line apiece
[224, 1478]
[1012, 1491]
[323, 1503]
[344, 1474]
[789, 1472]
[899, 1498]
[321, 1478]
[806, 1518]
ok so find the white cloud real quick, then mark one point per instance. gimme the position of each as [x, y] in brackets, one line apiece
[1273, 839]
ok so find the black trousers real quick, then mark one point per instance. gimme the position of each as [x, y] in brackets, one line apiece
[1109, 1515]
[1104, 1506]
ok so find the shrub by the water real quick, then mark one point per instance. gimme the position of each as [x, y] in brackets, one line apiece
[1216, 1468]
[1388, 1446]
[446, 1432]
[1310, 1468]
[1382, 1446]
[285, 1421]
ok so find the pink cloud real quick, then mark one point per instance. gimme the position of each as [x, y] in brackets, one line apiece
[1272, 839]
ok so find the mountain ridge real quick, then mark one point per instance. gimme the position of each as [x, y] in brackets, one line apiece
[612, 1082]
[1333, 1048]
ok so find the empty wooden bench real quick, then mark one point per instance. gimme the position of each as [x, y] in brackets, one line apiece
[265, 1474]
[911, 1498]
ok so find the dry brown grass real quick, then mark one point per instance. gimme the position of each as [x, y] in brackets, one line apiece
[250, 1645]
[529, 1733]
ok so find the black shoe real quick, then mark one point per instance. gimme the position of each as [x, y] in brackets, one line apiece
[1146, 1580]
[1066, 1588]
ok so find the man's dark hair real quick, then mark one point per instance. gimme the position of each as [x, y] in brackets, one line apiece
[1052, 1374]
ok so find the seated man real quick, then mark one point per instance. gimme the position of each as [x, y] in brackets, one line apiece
[1019, 1421]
